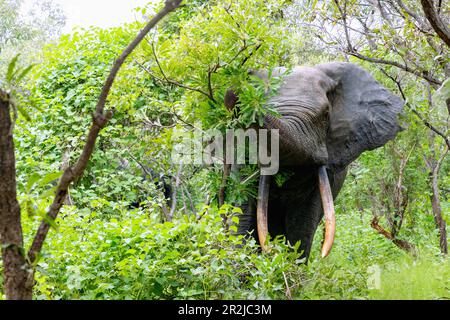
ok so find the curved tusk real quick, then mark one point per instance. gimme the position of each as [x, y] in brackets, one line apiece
[328, 209]
[262, 210]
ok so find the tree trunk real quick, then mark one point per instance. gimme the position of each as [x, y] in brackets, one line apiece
[18, 276]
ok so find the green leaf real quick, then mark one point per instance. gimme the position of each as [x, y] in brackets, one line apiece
[29, 208]
[24, 72]
[11, 68]
[237, 210]
[49, 178]
[23, 112]
[48, 193]
[31, 181]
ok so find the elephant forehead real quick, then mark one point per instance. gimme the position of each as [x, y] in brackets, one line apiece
[303, 87]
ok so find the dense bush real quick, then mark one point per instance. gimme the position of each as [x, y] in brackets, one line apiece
[101, 248]
[137, 257]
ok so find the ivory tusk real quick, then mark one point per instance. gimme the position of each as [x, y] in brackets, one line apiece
[328, 209]
[262, 211]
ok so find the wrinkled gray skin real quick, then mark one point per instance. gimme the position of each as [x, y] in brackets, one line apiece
[331, 113]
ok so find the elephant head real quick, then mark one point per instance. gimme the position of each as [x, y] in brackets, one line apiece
[330, 114]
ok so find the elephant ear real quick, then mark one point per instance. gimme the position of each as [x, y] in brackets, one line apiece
[363, 115]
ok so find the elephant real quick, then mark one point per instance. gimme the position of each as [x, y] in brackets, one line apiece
[329, 114]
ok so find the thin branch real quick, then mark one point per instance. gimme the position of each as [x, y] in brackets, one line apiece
[402, 5]
[353, 52]
[188, 194]
[436, 205]
[417, 113]
[382, 11]
[157, 61]
[437, 168]
[210, 88]
[253, 175]
[288, 289]
[210, 94]
[174, 193]
[173, 113]
[344, 20]
[241, 50]
[206, 209]
[436, 22]
[100, 119]
[418, 73]
[170, 5]
[418, 22]
[185, 122]
[402, 244]
[227, 10]
[173, 82]
[429, 125]
[400, 201]
[251, 54]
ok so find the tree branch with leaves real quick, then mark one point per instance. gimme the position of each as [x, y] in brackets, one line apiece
[19, 270]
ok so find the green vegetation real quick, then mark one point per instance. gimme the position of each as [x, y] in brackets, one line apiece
[101, 247]
[136, 257]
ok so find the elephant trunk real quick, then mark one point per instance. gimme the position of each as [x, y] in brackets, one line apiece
[302, 140]
[327, 204]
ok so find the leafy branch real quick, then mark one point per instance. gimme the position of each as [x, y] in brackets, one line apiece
[99, 121]
[351, 50]
[414, 110]
[172, 82]
[435, 20]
